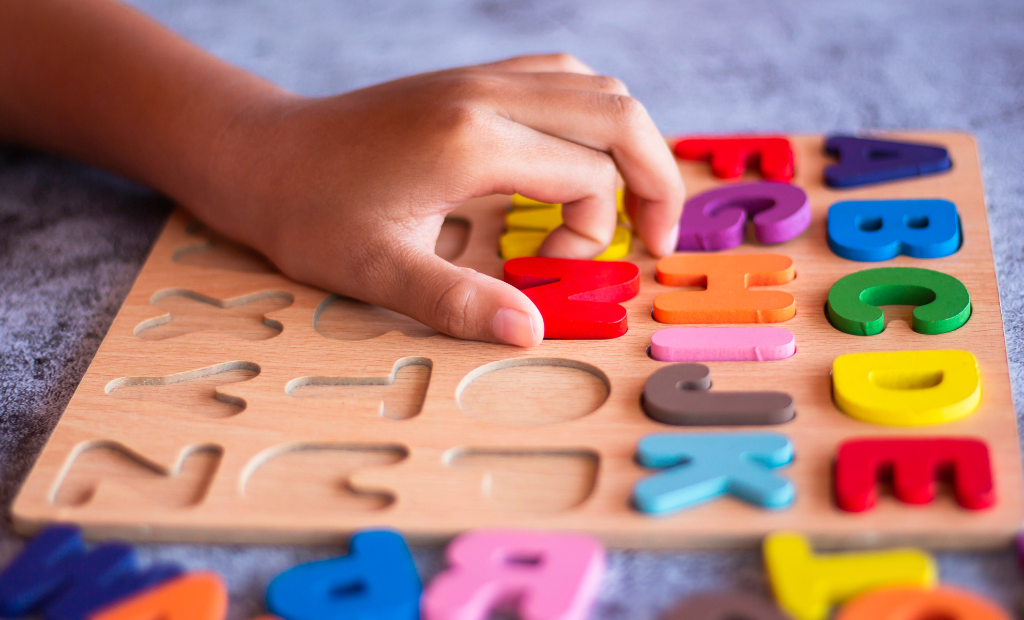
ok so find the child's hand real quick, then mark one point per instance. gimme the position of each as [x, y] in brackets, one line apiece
[349, 193]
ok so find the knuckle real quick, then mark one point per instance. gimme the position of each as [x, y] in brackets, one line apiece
[609, 84]
[565, 61]
[627, 112]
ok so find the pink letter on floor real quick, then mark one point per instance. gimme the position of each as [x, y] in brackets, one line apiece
[722, 344]
[548, 576]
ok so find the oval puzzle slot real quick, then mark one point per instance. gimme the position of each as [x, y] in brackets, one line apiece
[539, 482]
[530, 391]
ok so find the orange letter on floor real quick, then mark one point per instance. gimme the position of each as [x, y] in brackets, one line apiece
[727, 299]
[914, 603]
[195, 596]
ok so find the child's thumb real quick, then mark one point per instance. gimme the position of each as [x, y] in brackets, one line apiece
[464, 303]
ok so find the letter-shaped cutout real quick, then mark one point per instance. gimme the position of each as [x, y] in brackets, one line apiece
[680, 394]
[943, 303]
[530, 221]
[807, 585]
[195, 596]
[725, 606]
[549, 576]
[700, 467]
[906, 388]
[727, 299]
[916, 603]
[915, 464]
[577, 298]
[722, 344]
[716, 219]
[55, 574]
[730, 155]
[863, 161]
[377, 580]
[877, 230]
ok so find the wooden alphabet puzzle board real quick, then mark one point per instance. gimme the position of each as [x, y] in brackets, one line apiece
[230, 404]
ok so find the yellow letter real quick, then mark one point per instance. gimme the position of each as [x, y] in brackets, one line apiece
[806, 585]
[906, 388]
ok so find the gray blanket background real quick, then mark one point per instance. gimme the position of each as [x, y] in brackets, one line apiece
[72, 239]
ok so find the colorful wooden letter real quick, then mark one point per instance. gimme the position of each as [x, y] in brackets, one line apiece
[724, 606]
[915, 464]
[730, 155]
[577, 298]
[679, 394]
[863, 161]
[716, 219]
[919, 604]
[726, 278]
[55, 574]
[906, 388]
[377, 580]
[702, 466]
[722, 344]
[943, 303]
[530, 221]
[549, 576]
[877, 230]
[195, 596]
[807, 585]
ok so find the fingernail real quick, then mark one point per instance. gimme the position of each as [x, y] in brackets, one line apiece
[514, 327]
[672, 242]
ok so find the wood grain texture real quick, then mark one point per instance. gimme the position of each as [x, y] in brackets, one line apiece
[313, 467]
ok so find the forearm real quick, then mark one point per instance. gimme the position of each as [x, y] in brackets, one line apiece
[97, 81]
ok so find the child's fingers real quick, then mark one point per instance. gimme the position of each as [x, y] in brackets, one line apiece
[564, 81]
[461, 302]
[550, 169]
[621, 127]
[561, 63]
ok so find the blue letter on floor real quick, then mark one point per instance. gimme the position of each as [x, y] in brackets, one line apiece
[377, 580]
[702, 466]
[54, 573]
[876, 230]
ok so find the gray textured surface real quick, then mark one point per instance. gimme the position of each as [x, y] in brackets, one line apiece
[72, 239]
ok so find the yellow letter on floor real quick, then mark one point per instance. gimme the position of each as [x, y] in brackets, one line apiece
[807, 585]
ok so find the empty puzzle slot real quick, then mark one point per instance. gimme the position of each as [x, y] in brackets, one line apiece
[189, 311]
[539, 482]
[109, 474]
[315, 477]
[343, 318]
[195, 390]
[453, 238]
[215, 251]
[398, 396]
[533, 390]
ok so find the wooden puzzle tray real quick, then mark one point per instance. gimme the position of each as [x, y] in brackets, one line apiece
[230, 404]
